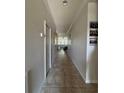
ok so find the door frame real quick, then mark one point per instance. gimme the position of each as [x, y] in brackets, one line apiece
[50, 47]
[45, 48]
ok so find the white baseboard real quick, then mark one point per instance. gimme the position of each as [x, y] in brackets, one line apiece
[77, 69]
[80, 72]
[91, 81]
[86, 81]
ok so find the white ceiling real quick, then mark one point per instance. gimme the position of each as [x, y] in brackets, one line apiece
[63, 15]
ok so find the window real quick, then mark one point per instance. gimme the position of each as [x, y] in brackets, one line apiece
[62, 41]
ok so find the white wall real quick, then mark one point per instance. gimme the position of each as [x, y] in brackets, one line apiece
[36, 13]
[92, 51]
[84, 56]
[78, 38]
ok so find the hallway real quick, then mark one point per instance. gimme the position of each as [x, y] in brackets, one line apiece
[54, 24]
[64, 78]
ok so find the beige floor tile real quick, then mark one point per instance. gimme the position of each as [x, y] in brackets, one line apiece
[68, 90]
[57, 90]
[78, 90]
[45, 90]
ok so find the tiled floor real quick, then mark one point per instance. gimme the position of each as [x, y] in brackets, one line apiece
[64, 78]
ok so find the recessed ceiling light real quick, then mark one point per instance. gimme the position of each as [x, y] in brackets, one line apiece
[65, 2]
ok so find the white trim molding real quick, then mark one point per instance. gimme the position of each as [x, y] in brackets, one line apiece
[50, 48]
[45, 49]
[91, 81]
